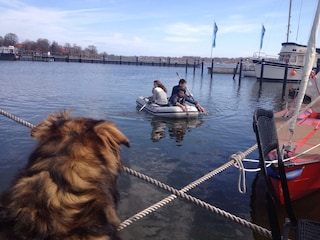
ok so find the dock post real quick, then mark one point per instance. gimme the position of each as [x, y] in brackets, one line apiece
[202, 63]
[211, 67]
[318, 66]
[194, 67]
[285, 81]
[235, 70]
[240, 70]
[186, 65]
[261, 71]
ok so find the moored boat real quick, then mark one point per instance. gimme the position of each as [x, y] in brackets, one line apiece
[302, 157]
[291, 56]
[298, 133]
[9, 53]
[144, 104]
[288, 65]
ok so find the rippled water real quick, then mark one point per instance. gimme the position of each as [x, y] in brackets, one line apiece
[174, 152]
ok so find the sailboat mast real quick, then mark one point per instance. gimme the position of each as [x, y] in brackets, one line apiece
[289, 17]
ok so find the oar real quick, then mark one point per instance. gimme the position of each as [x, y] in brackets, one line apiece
[143, 106]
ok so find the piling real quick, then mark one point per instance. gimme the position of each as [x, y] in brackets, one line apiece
[211, 67]
[235, 70]
[240, 70]
[284, 81]
[261, 71]
[202, 63]
[186, 66]
[318, 66]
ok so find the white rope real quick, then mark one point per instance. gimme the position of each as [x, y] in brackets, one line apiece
[170, 198]
[254, 227]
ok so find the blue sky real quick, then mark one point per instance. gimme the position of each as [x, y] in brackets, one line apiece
[166, 28]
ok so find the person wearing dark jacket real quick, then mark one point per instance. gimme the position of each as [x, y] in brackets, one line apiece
[179, 99]
[182, 84]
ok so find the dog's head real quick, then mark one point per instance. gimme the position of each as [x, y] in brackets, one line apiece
[80, 138]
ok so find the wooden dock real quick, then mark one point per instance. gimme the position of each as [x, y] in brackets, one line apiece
[104, 60]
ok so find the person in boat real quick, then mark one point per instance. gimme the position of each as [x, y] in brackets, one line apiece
[180, 98]
[159, 93]
[183, 85]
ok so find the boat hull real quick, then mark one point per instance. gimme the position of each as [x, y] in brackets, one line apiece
[166, 111]
[306, 182]
[292, 56]
[9, 57]
[275, 71]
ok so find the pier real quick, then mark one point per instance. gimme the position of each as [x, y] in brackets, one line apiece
[112, 60]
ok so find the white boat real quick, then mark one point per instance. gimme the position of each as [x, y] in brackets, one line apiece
[292, 56]
[144, 104]
[9, 53]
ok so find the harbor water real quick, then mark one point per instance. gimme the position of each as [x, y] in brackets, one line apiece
[175, 152]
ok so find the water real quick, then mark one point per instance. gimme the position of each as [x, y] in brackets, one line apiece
[174, 152]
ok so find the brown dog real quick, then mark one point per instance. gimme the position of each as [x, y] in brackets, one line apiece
[68, 188]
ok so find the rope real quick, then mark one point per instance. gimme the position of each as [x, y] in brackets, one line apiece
[264, 232]
[175, 192]
[237, 158]
[16, 119]
[170, 198]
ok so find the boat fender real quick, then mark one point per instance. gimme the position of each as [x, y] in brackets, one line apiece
[293, 72]
[290, 175]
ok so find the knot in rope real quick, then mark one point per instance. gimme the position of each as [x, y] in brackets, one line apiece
[237, 158]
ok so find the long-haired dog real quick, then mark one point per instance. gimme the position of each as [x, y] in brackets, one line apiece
[68, 188]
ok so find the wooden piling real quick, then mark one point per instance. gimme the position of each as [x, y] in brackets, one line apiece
[261, 71]
[284, 85]
[240, 71]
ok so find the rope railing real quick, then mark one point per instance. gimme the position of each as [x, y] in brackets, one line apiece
[264, 232]
[172, 197]
[235, 159]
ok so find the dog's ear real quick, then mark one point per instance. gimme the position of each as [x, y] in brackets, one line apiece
[48, 126]
[108, 132]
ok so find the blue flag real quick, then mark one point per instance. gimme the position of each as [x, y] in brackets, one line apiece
[262, 35]
[215, 30]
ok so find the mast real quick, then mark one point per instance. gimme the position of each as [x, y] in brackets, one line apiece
[310, 56]
[289, 17]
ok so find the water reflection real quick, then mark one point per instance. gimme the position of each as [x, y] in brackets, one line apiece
[307, 207]
[177, 128]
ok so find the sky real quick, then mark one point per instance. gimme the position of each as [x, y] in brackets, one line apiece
[168, 28]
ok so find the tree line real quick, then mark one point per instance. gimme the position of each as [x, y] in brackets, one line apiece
[43, 45]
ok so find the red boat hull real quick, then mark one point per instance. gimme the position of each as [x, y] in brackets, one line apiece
[303, 170]
[304, 184]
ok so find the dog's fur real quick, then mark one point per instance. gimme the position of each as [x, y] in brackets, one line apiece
[68, 188]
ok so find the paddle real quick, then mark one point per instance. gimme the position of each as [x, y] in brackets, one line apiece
[143, 106]
[190, 94]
